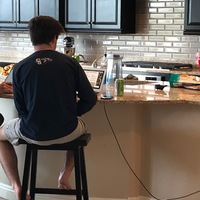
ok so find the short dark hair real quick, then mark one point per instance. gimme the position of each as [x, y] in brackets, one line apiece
[43, 29]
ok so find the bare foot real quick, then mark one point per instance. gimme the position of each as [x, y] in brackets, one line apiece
[28, 197]
[63, 181]
[61, 186]
[17, 191]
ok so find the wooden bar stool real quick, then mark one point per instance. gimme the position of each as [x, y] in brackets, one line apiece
[77, 146]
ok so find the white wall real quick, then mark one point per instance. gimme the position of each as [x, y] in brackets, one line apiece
[159, 142]
[159, 36]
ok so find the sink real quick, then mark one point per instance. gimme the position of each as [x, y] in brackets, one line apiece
[85, 65]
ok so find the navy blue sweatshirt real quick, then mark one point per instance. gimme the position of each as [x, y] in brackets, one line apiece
[45, 87]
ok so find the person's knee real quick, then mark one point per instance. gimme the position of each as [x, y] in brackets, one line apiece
[2, 134]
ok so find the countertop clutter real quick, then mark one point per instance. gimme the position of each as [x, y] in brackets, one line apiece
[147, 93]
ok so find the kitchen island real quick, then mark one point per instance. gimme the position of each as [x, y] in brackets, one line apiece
[155, 133]
[147, 94]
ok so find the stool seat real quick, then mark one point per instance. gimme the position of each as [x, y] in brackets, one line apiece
[77, 146]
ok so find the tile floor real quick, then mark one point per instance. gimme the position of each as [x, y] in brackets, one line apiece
[53, 197]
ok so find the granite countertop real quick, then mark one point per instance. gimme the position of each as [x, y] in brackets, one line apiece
[146, 93]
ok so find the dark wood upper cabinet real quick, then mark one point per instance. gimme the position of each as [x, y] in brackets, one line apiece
[24, 12]
[7, 13]
[117, 16]
[100, 16]
[192, 17]
[15, 14]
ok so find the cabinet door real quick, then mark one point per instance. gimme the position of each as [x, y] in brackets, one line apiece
[77, 14]
[7, 13]
[106, 14]
[25, 11]
[49, 8]
[192, 16]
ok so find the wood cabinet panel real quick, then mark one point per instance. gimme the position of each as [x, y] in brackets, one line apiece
[100, 16]
[192, 17]
[116, 16]
[7, 13]
[15, 14]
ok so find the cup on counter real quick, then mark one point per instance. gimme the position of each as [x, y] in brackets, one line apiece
[174, 78]
[198, 59]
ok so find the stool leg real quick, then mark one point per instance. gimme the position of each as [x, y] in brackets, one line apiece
[77, 173]
[33, 173]
[83, 174]
[26, 172]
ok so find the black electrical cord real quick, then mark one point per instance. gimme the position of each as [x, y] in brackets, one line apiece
[175, 198]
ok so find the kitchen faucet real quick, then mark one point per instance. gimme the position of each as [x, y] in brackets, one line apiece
[94, 64]
[103, 63]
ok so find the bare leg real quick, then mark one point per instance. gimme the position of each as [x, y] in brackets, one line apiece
[8, 160]
[63, 180]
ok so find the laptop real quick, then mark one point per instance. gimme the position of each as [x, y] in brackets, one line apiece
[9, 78]
[96, 77]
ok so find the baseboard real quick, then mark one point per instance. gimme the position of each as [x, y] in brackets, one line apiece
[140, 198]
[6, 192]
[53, 197]
[50, 197]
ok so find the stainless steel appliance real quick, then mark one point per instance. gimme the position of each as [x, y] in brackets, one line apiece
[151, 71]
[114, 67]
[69, 48]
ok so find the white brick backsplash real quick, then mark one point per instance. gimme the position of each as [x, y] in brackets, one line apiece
[165, 10]
[125, 48]
[156, 38]
[173, 4]
[180, 56]
[107, 42]
[159, 36]
[181, 44]
[157, 27]
[179, 10]
[156, 49]
[133, 43]
[164, 44]
[150, 55]
[126, 37]
[165, 33]
[157, 16]
[141, 49]
[164, 55]
[172, 50]
[178, 21]
[173, 16]
[173, 39]
[149, 44]
[165, 21]
[118, 42]
[173, 27]
[157, 5]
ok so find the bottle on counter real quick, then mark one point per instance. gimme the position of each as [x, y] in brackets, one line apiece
[198, 58]
[114, 71]
[104, 62]
[173, 80]
[119, 87]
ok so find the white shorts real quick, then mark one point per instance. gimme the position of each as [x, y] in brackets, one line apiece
[13, 134]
